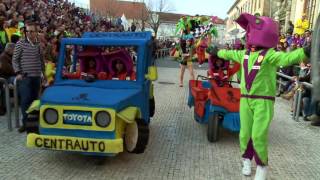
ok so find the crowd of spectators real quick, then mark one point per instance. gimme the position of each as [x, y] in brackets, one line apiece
[299, 38]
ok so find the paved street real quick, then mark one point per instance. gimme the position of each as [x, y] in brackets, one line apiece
[177, 149]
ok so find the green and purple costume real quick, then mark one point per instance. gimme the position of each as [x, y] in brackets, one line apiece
[258, 90]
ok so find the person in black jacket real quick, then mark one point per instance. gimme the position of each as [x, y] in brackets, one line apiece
[6, 72]
[290, 28]
[6, 68]
[306, 95]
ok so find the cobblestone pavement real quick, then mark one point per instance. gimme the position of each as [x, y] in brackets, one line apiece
[178, 148]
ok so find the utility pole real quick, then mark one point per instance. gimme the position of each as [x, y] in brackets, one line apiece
[288, 14]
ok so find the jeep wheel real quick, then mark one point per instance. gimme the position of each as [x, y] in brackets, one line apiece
[152, 107]
[213, 128]
[136, 136]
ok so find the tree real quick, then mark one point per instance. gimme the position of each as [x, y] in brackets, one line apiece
[143, 17]
[155, 8]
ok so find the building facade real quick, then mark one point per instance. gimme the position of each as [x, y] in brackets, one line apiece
[138, 11]
[282, 11]
[233, 30]
[135, 12]
[309, 7]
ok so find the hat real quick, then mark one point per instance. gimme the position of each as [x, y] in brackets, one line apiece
[261, 31]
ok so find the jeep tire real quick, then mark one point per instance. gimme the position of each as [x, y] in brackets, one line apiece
[152, 106]
[32, 123]
[213, 127]
[136, 136]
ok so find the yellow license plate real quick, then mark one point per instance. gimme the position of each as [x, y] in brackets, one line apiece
[64, 143]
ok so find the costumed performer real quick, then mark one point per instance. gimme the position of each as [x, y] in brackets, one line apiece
[258, 86]
[187, 51]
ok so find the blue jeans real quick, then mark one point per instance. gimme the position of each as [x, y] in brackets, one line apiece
[308, 107]
[315, 106]
[11, 79]
[28, 89]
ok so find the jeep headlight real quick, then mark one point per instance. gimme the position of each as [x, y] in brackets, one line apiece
[50, 116]
[103, 119]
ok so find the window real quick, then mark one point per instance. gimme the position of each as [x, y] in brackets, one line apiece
[310, 6]
[100, 63]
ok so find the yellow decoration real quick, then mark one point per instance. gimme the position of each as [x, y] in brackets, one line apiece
[61, 125]
[120, 128]
[129, 114]
[35, 106]
[176, 54]
[65, 143]
[152, 73]
[50, 71]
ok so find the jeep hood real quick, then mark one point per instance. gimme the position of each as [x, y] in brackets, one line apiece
[91, 97]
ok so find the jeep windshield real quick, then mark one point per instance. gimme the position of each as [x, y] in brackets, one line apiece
[93, 63]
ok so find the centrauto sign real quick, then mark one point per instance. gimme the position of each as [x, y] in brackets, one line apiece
[70, 144]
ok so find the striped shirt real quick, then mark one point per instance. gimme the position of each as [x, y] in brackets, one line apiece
[27, 58]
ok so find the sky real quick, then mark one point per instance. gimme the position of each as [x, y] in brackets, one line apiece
[203, 7]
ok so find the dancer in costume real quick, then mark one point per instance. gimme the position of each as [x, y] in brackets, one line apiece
[201, 50]
[187, 50]
[188, 28]
[258, 86]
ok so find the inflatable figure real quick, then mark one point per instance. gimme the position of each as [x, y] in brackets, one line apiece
[50, 71]
[258, 86]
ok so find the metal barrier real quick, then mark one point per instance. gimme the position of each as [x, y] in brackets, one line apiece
[8, 105]
[161, 53]
[297, 97]
[7, 88]
[16, 104]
